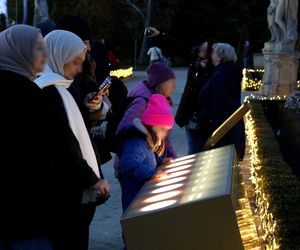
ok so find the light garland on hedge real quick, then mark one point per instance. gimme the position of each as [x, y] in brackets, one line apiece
[266, 98]
[247, 226]
[122, 73]
[298, 84]
[251, 84]
[267, 221]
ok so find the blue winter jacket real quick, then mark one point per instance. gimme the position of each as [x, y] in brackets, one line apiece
[137, 164]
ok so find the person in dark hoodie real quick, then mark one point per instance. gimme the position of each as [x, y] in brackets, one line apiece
[220, 97]
[199, 72]
[27, 183]
[94, 108]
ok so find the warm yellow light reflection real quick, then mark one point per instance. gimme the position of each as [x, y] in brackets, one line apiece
[167, 188]
[176, 164]
[266, 218]
[176, 174]
[171, 170]
[122, 73]
[185, 158]
[158, 205]
[162, 196]
[171, 181]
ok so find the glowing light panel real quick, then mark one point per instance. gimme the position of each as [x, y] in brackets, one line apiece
[176, 164]
[179, 173]
[185, 158]
[171, 170]
[167, 188]
[158, 205]
[171, 181]
[162, 196]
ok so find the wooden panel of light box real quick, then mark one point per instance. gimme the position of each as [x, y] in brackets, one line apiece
[191, 209]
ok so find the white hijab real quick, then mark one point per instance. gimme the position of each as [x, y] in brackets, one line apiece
[64, 46]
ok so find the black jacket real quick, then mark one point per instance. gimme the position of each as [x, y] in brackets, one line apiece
[83, 85]
[28, 184]
[218, 99]
[196, 78]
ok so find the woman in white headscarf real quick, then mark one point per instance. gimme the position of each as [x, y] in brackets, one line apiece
[75, 158]
[26, 180]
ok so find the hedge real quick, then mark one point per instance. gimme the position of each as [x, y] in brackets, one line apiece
[280, 185]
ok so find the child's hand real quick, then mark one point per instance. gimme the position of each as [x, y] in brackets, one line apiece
[168, 160]
[161, 175]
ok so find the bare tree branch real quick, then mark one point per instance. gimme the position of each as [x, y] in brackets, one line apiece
[134, 7]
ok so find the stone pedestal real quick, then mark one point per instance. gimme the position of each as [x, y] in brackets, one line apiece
[281, 68]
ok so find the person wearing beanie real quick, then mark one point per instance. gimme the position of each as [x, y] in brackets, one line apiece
[161, 80]
[142, 146]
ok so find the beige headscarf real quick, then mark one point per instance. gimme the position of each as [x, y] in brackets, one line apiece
[62, 46]
[17, 49]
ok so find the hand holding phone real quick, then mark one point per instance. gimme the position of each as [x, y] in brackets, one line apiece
[151, 32]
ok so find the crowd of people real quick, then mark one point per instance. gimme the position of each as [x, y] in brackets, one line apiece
[54, 144]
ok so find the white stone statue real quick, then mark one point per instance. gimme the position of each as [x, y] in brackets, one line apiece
[287, 20]
[280, 56]
[274, 29]
[283, 21]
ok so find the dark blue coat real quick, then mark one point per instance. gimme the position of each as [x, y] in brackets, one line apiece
[218, 99]
[137, 164]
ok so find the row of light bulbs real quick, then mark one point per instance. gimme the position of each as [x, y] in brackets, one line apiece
[266, 218]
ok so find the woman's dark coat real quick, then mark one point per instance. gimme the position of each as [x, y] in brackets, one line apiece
[218, 99]
[197, 77]
[28, 186]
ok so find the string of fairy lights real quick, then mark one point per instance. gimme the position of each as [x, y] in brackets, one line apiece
[267, 223]
[252, 79]
[247, 225]
[122, 73]
[252, 84]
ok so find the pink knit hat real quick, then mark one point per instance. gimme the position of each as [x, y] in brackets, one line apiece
[158, 112]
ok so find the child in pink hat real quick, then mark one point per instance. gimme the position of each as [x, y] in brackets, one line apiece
[142, 147]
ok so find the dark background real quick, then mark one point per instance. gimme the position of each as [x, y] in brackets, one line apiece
[191, 22]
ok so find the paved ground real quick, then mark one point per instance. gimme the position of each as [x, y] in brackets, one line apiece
[105, 231]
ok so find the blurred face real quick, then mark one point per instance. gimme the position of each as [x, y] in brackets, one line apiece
[73, 67]
[167, 88]
[87, 44]
[40, 55]
[203, 51]
[215, 58]
[161, 131]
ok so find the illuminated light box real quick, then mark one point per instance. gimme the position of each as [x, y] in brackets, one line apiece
[192, 207]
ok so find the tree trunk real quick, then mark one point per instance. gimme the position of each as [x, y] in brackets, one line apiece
[150, 16]
[25, 11]
[40, 11]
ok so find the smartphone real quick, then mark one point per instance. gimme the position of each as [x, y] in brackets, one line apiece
[103, 87]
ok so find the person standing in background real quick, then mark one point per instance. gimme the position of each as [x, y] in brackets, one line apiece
[247, 55]
[220, 97]
[199, 72]
[155, 55]
[2, 22]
